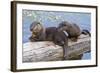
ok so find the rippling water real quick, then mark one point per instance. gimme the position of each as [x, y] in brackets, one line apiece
[50, 18]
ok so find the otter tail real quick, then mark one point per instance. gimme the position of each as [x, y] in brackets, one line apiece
[86, 32]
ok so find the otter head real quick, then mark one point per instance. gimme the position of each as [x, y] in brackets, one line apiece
[60, 38]
[64, 26]
[72, 28]
[36, 28]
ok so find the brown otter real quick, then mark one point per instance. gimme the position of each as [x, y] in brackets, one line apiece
[38, 31]
[55, 35]
[72, 29]
[58, 37]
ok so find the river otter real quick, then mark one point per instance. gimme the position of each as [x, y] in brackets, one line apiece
[58, 37]
[72, 29]
[38, 32]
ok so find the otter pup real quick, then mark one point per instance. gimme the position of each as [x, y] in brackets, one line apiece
[38, 32]
[72, 29]
[58, 37]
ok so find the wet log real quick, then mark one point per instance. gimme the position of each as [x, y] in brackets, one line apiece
[48, 51]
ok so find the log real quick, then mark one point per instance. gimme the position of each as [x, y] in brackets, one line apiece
[48, 51]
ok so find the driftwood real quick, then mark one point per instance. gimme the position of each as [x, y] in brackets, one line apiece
[48, 51]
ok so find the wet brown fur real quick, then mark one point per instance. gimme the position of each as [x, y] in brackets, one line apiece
[72, 29]
[38, 32]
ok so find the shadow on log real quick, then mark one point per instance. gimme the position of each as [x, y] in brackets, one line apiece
[48, 51]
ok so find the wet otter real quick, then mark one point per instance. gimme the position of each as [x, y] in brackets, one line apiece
[38, 32]
[58, 37]
[72, 29]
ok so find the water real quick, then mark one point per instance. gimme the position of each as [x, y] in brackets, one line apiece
[86, 56]
[51, 18]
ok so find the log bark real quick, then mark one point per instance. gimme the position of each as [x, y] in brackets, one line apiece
[48, 51]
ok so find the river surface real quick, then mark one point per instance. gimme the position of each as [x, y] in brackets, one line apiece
[53, 18]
